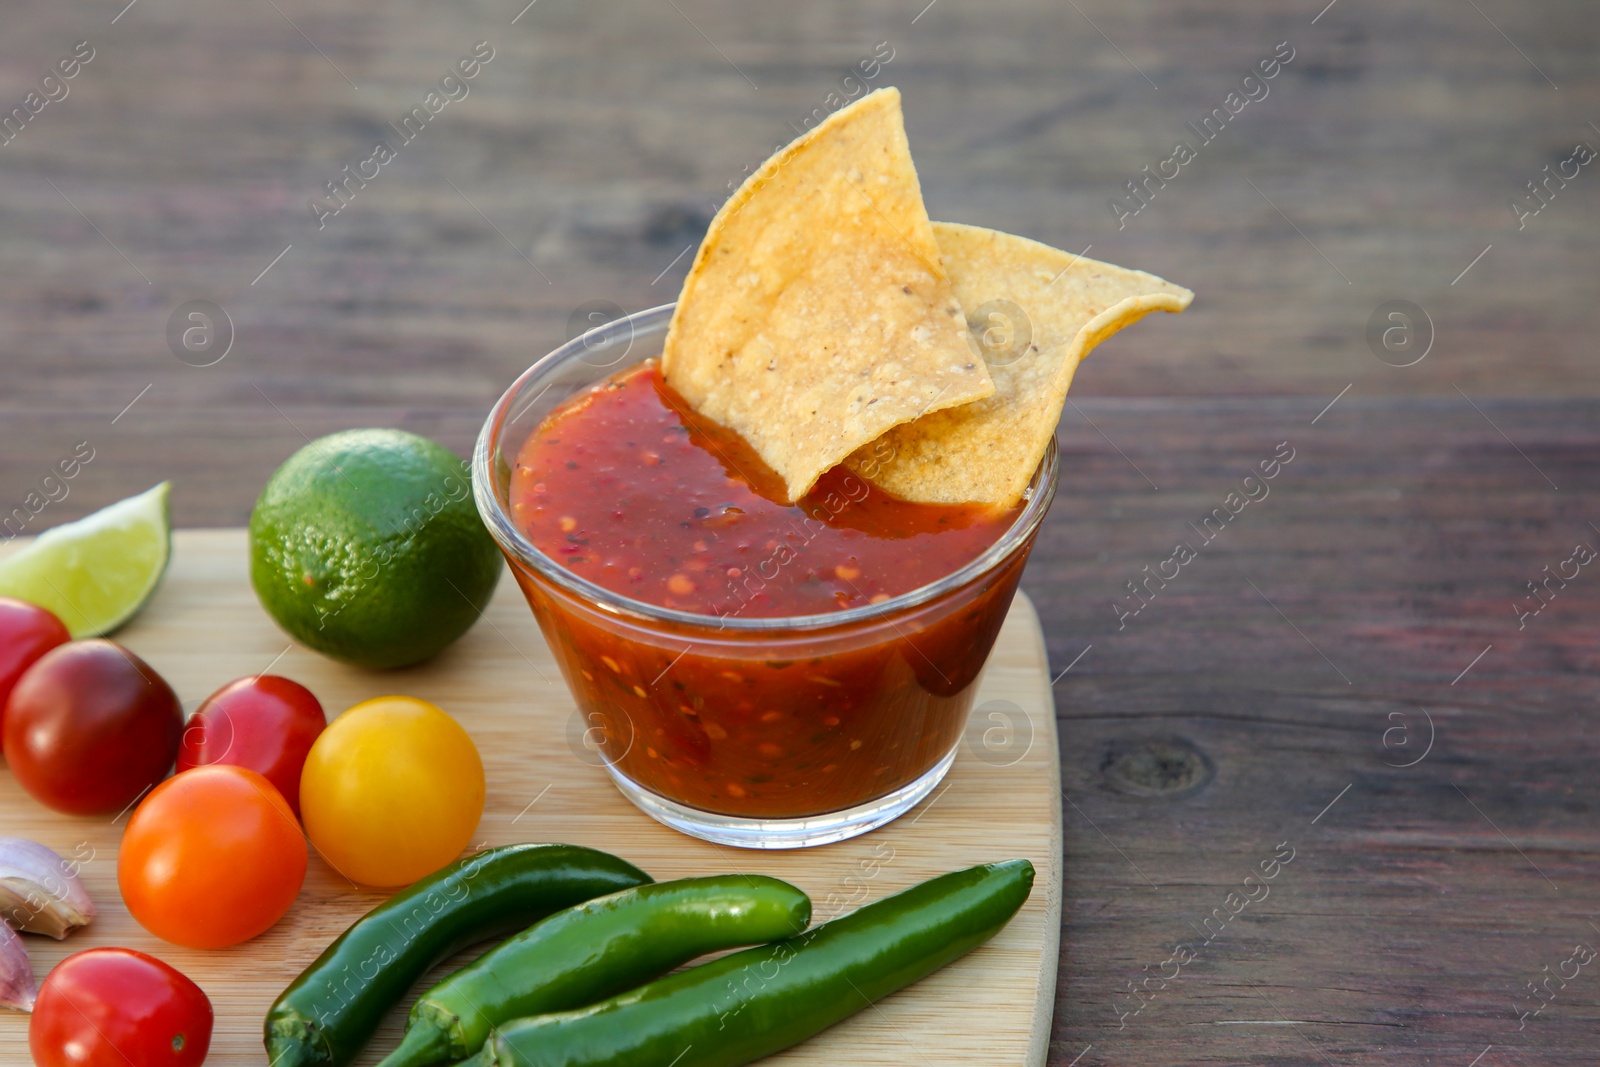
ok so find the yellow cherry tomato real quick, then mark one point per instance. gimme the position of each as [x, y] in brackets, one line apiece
[391, 791]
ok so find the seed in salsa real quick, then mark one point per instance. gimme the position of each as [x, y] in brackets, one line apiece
[628, 487]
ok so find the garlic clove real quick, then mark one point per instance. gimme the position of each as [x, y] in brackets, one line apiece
[39, 891]
[17, 990]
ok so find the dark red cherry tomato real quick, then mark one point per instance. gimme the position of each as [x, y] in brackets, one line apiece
[27, 632]
[89, 727]
[264, 722]
[114, 1007]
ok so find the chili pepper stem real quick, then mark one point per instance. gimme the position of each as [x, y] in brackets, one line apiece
[423, 1044]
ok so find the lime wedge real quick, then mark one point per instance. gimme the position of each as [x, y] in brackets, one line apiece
[96, 573]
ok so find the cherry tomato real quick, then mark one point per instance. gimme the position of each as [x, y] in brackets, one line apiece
[89, 727]
[392, 791]
[263, 722]
[27, 632]
[211, 857]
[114, 1007]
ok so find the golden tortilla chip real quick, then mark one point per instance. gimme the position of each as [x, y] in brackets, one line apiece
[817, 314]
[1037, 311]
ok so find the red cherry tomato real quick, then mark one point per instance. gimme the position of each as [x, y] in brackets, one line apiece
[263, 722]
[114, 1007]
[27, 632]
[89, 727]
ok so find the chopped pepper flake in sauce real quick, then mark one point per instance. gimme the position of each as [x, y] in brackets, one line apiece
[627, 486]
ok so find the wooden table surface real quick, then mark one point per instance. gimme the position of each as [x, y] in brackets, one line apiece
[1351, 673]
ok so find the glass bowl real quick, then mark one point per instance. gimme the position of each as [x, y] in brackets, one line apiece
[754, 732]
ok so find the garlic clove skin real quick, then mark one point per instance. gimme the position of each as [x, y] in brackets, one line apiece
[17, 988]
[39, 891]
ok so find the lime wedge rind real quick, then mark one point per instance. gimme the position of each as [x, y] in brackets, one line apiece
[96, 573]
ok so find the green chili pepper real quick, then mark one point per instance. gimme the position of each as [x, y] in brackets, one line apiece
[594, 950]
[330, 1011]
[762, 1000]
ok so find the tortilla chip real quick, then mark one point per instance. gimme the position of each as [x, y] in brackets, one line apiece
[817, 315]
[1039, 311]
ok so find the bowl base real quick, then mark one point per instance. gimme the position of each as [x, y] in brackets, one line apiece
[803, 832]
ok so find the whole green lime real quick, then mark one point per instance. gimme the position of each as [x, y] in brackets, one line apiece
[366, 546]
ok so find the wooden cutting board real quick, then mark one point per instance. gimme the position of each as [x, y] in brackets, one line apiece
[1002, 799]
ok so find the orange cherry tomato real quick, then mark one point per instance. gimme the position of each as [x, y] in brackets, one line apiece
[212, 857]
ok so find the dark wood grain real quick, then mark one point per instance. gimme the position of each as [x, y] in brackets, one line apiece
[1326, 625]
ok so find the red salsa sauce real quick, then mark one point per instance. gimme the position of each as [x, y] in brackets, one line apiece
[627, 486]
[630, 488]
